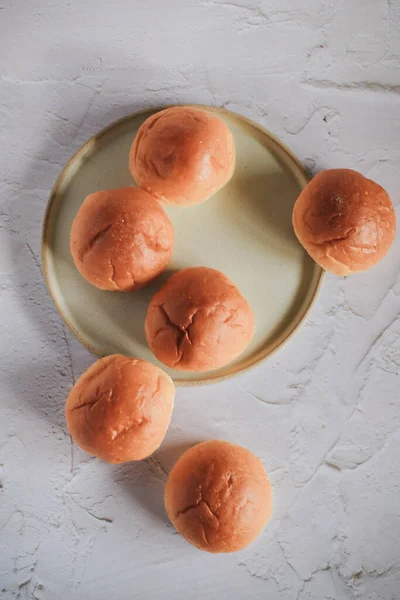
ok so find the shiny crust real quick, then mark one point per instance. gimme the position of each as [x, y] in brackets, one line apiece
[198, 321]
[182, 155]
[121, 239]
[218, 496]
[345, 221]
[120, 408]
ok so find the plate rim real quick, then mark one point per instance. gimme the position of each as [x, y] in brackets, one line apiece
[239, 368]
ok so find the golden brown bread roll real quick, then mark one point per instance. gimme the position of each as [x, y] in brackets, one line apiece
[218, 496]
[182, 155]
[121, 239]
[345, 221]
[198, 321]
[120, 409]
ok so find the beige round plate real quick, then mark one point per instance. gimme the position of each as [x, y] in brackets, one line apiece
[245, 230]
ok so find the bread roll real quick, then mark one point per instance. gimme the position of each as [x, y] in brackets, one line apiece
[345, 221]
[121, 239]
[218, 496]
[120, 409]
[182, 155]
[198, 321]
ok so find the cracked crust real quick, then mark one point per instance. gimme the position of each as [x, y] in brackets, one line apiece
[345, 221]
[182, 155]
[121, 239]
[182, 331]
[198, 321]
[120, 409]
[218, 496]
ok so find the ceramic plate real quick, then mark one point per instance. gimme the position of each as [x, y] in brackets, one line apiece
[245, 231]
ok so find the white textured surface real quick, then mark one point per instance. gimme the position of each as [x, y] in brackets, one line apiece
[323, 414]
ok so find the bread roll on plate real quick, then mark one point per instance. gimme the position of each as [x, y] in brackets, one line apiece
[121, 239]
[198, 321]
[182, 155]
[120, 408]
[345, 221]
[218, 496]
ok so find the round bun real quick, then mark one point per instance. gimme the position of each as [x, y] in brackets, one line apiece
[345, 221]
[218, 496]
[182, 155]
[198, 321]
[120, 409]
[121, 239]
